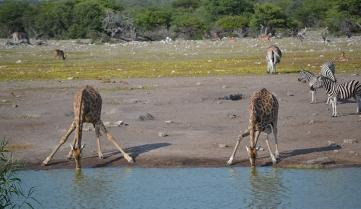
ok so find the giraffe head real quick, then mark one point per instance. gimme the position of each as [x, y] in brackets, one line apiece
[252, 154]
[76, 152]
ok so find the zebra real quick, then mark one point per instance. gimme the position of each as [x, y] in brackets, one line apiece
[328, 70]
[307, 76]
[273, 57]
[340, 91]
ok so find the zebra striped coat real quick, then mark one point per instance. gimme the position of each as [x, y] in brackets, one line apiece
[307, 76]
[328, 70]
[341, 91]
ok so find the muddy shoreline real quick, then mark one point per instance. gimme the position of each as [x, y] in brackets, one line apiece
[200, 128]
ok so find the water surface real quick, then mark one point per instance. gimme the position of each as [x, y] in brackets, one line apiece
[202, 188]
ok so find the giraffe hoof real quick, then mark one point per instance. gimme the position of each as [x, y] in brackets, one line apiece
[46, 162]
[130, 160]
[100, 156]
[229, 162]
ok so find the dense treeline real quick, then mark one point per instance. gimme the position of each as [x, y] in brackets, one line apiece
[190, 19]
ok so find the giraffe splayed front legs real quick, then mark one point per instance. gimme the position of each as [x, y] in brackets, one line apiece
[263, 116]
[87, 109]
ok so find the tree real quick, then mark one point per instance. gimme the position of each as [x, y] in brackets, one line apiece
[268, 15]
[233, 25]
[186, 4]
[11, 16]
[88, 16]
[229, 7]
[189, 26]
[150, 19]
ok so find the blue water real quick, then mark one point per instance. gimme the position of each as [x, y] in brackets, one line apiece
[198, 188]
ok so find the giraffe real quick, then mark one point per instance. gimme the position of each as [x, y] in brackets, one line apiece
[87, 109]
[273, 57]
[263, 114]
[59, 54]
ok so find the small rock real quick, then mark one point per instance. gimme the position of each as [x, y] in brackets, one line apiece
[351, 152]
[232, 115]
[224, 86]
[311, 122]
[4, 101]
[133, 101]
[146, 116]
[290, 94]
[350, 141]
[70, 78]
[18, 61]
[169, 121]
[222, 145]
[314, 114]
[162, 134]
[198, 83]
[308, 132]
[118, 123]
[336, 150]
[15, 106]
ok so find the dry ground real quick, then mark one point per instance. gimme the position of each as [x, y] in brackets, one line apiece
[35, 114]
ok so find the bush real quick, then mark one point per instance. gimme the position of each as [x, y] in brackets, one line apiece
[11, 193]
[150, 19]
[230, 23]
[189, 27]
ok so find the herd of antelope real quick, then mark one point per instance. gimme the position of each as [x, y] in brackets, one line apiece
[263, 106]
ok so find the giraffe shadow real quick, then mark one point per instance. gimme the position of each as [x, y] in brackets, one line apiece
[132, 151]
[295, 152]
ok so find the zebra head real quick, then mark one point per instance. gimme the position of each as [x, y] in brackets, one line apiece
[316, 82]
[302, 76]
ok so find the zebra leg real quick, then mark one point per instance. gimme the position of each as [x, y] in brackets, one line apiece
[313, 99]
[358, 101]
[334, 106]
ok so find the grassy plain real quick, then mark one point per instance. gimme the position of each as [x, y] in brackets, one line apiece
[176, 58]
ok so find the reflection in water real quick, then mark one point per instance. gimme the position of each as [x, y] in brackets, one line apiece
[266, 189]
[96, 189]
[211, 188]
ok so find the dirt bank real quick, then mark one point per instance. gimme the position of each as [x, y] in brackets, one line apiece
[200, 124]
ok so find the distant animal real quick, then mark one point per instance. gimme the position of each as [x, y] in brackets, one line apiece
[20, 37]
[301, 34]
[343, 57]
[273, 57]
[309, 77]
[263, 116]
[340, 91]
[324, 35]
[87, 109]
[59, 54]
[264, 37]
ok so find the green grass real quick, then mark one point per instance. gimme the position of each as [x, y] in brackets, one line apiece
[181, 58]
